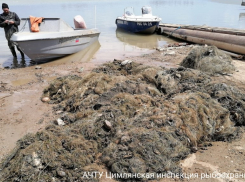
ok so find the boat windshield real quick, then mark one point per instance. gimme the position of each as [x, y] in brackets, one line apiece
[146, 10]
[128, 11]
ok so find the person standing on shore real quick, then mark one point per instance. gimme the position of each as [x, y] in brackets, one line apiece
[10, 22]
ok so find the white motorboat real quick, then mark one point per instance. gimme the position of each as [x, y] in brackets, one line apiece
[147, 23]
[55, 39]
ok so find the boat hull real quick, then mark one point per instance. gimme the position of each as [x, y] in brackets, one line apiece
[226, 41]
[146, 27]
[55, 39]
[48, 49]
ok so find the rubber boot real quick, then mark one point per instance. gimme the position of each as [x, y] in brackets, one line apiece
[22, 54]
[23, 62]
[15, 63]
[13, 52]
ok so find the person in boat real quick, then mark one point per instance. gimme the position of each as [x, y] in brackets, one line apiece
[10, 22]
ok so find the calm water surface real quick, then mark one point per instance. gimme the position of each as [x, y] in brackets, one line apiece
[114, 43]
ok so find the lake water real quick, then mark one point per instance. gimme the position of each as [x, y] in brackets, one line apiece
[116, 44]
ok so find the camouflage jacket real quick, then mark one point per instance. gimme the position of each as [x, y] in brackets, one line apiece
[9, 28]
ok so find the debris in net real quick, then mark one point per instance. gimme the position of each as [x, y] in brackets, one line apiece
[126, 62]
[60, 122]
[45, 99]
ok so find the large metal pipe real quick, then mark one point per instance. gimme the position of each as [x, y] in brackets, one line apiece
[229, 42]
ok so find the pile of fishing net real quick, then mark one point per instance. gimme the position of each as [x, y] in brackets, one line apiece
[130, 118]
[209, 59]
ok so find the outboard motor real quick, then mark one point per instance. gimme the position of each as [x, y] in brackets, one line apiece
[79, 22]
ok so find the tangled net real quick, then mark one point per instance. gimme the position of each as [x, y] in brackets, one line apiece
[130, 118]
[209, 59]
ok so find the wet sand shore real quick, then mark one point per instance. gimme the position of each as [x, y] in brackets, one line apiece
[22, 111]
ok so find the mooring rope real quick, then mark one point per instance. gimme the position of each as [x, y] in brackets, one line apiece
[173, 31]
[23, 27]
